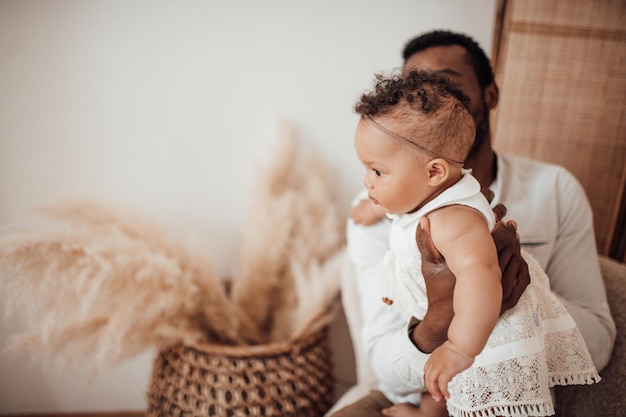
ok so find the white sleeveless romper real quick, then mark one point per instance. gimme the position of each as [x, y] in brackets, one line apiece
[534, 346]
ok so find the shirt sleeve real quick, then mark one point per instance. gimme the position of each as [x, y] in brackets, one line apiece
[574, 271]
[555, 222]
[397, 364]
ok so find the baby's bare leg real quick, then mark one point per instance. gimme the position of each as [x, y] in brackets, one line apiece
[427, 407]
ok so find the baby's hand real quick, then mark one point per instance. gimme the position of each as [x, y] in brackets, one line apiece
[366, 213]
[444, 363]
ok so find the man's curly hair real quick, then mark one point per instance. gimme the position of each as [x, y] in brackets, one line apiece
[427, 106]
[478, 58]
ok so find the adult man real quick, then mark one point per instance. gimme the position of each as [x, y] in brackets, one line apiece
[554, 222]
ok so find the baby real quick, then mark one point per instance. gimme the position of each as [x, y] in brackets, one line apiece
[414, 133]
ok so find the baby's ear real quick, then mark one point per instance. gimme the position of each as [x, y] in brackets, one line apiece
[438, 171]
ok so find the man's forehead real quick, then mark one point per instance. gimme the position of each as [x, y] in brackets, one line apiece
[440, 58]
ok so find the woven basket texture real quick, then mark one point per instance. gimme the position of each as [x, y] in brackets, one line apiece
[284, 379]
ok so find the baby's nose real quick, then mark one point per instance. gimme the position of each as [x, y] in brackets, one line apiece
[367, 182]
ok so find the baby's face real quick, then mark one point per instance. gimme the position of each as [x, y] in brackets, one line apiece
[395, 177]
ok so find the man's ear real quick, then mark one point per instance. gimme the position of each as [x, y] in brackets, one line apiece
[491, 95]
[438, 171]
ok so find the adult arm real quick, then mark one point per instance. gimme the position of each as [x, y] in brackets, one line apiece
[395, 362]
[575, 274]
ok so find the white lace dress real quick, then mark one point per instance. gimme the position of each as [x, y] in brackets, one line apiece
[534, 346]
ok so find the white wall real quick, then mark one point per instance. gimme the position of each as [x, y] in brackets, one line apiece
[168, 106]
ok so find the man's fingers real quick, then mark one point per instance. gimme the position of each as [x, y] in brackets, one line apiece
[425, 242]
[487, 193]
[506, 238]
[439, 281]
[511, 288]
[505, 253]
[521, 282]
[499, 211]
[515, 277]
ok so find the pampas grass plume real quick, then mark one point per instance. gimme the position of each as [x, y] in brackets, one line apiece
[105, 282]
[293, 225]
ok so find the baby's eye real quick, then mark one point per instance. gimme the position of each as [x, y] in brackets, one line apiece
[377, 172]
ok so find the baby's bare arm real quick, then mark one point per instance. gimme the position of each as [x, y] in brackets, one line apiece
[433, 330]
[462, 236]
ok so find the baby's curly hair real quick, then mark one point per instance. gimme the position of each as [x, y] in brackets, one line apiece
[432, 112]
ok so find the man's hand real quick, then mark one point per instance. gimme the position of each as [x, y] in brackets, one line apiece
[499, 210]
[432, 331]
[515, 275]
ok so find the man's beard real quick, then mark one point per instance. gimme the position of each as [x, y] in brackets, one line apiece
[482, 132]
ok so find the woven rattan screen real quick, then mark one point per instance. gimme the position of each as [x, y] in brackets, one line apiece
[561, 68]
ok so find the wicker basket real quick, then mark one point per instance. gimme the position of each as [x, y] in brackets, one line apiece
[280, 379]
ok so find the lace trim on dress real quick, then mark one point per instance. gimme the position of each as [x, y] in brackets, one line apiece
[507, 410]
